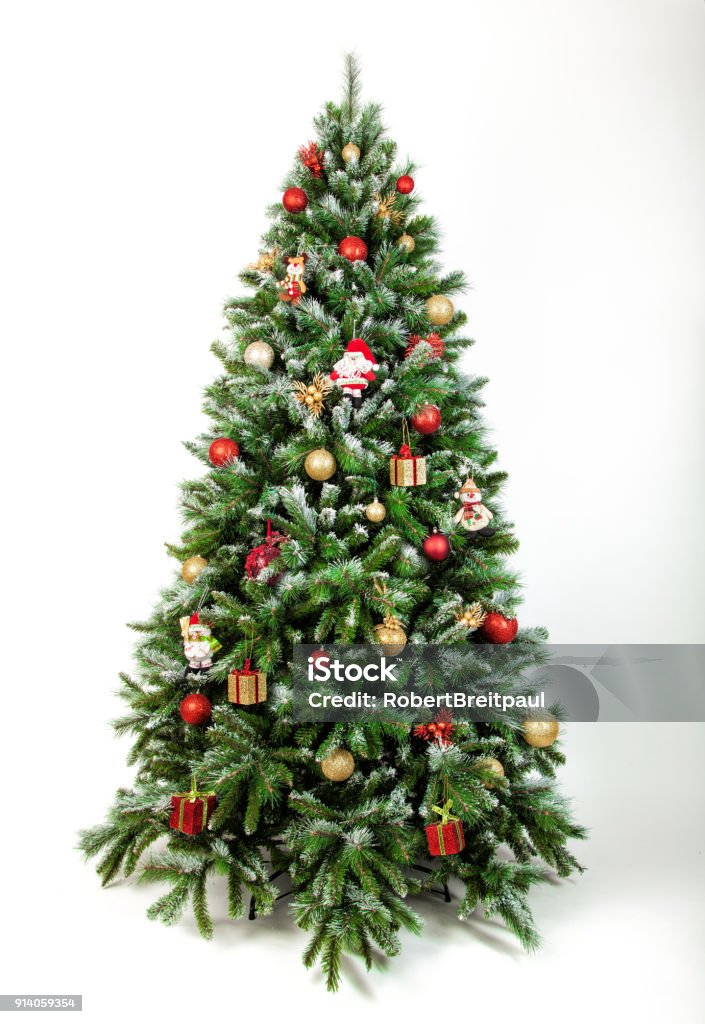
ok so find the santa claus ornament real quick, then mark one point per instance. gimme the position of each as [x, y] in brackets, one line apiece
[293, 283]
[261, 556]
[354, 371]
[199, 644]
[473, 515]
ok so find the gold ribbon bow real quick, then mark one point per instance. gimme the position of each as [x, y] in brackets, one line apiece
[444, 813]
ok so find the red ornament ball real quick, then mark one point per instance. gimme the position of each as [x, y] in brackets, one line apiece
[223, 450]
[295, 200]
[426, 419]
[353, 248]
[320, 658]
[195, 709]
[436, 546]
[498, 629]
[405, 184]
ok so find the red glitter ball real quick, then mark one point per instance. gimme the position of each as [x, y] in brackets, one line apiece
[223, 450]
[353, 248]
[295, 200]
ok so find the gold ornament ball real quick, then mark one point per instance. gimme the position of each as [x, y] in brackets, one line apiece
[391, 636]
[375, 511]
[406, 242]
[540, 732]
[320, 464]
[260, 354]
[338, 765]
[193, 567]
[491, 764]
[350, 153]
[439, 310]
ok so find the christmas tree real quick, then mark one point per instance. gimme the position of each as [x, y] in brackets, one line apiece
[341, 430]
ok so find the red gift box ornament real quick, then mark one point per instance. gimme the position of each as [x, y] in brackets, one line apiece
[191, 811]
[445, 836]
[405, 469]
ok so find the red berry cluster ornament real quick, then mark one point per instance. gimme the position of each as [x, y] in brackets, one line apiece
[436, 546]
[441, 730]
[195, 709]
[405, 184]
[426, 419]
[312, 158]
[295, 200]
[353, 248]
[261, 556]
[434, 340]
[223, 451]
[498, 629]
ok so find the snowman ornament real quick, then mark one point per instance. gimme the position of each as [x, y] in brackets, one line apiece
[354, 371]
[199, 644]
[473, 515]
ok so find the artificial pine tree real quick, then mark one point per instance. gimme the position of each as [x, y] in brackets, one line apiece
[295, 534]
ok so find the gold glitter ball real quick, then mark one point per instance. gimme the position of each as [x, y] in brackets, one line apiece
[391, 635]
[491, 764]
[260, 354]
[406, 242]
[375, 511]
[320, 464]
[439, 310]
[350, 153]
[193, 567]
[540, 732]
[338, 765]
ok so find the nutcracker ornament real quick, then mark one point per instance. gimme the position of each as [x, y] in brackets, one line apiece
[354, 371]
[293, 283]
[473, 515]
[199, 644]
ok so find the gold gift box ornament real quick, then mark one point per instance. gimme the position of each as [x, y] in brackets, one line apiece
[405, 469]
[247, 685]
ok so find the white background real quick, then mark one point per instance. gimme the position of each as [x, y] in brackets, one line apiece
[562, 147]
